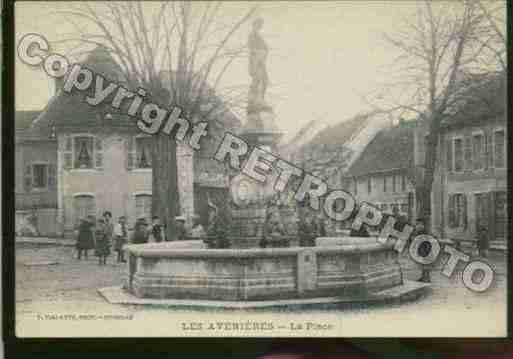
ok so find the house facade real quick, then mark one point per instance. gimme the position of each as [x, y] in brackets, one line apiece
[35, 178]
[471, 181]
[382, 174]
[101, 161]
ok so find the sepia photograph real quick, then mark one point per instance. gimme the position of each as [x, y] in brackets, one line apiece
[260, 169]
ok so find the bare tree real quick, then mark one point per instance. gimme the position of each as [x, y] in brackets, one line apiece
[179, 52]
[495, 41]
[437, 48]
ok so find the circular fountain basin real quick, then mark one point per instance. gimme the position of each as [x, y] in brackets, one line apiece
[350, 267]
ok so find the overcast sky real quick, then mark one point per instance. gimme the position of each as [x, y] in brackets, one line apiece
[322, 55]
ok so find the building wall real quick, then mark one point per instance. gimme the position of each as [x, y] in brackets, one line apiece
[378, 196]
[36, 208]
[468, 182]
[115, 186]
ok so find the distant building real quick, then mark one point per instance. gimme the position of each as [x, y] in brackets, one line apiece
[331, 151]
[471, 179]
[101, 161]
[35, 177]
[382, 174]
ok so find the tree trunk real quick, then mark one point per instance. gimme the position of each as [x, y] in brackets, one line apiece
[423, 191]
[165, 196]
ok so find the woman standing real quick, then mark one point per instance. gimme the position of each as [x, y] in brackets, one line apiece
[102, 242]
[85, 239]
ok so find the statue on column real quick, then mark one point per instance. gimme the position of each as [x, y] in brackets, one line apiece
[257, 70]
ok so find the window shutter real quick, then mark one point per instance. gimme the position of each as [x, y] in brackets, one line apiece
[67, 153]
[451, 211]
[52, 175]
[485, 151]
[464, 211]
[130, 152]
[448, 146]
[27, 178]
[468, 153]
[98, 153]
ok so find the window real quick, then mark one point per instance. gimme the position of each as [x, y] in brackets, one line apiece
[394, 189]
[468, 153]
[143, 206]
[458, 154]
[457, 210]
[499, 148]
[138, 152]
[39, 176]
[82, 152]
[369, 185]
[478, 151]
[448, 159]
[143, 147]
[40, 173]
[403, 183]
[501, 218]
[384, 184]
[83, 206]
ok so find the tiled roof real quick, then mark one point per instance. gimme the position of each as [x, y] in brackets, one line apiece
[71, 110]
[327, 153]
[483, 99]
[24, 119]
[392, 148]
[23, 130]
[341, 132]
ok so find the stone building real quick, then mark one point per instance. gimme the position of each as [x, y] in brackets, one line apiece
[381, 175]
[35, 177]
[103, 162]
[333, 149]
[471, 179]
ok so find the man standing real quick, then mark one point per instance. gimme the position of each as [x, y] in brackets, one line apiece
[120, 234]
[181, 232]
[423, 250]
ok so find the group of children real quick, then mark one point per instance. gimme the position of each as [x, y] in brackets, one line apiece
[102, 235]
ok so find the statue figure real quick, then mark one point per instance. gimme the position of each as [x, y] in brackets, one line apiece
[257, 57]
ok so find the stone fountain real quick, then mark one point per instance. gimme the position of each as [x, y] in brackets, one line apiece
[245, 275]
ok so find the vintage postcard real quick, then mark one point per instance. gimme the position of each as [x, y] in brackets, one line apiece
[260, 169]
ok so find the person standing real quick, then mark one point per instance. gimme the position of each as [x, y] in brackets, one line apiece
[102, 242]
[483, 243]
[85, 238]
[140, 235]
[181, 232]
[423, 250]
[307, 232]
[156, 230]
[197, 230]
[109, 226]
[120, 235]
